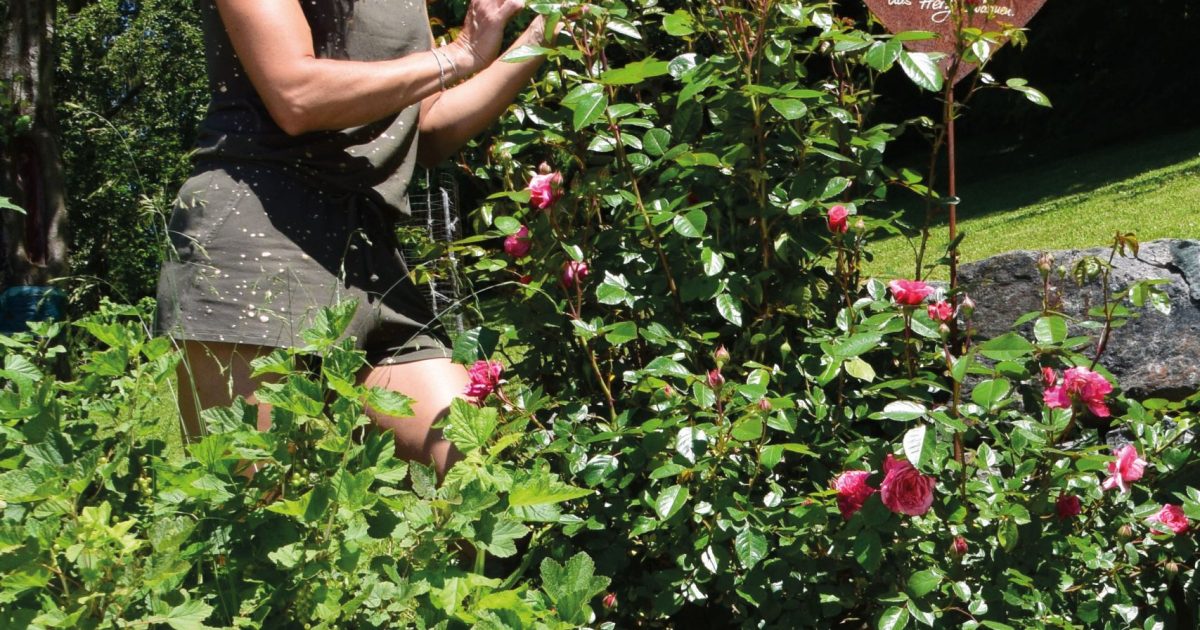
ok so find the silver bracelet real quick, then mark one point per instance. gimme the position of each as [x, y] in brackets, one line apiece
[453, 68]
[441, 70]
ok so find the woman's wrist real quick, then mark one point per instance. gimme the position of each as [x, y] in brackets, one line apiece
[462, 60]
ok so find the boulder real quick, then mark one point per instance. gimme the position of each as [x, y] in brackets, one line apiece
[1154, 355]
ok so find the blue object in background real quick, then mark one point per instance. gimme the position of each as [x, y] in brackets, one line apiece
[24, 304]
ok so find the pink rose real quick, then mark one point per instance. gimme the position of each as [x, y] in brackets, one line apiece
[573, 273]
[904, 489]
[1127, 468]
[1067, 506]
[1079, 384]
[484, 377]
[518, 245]
[852, 491]
[958, 546]
[610, 600]
[545, 188]
[1049, 377]
[837, 219]
[940, 311]
[909, 292]
[1172, 517]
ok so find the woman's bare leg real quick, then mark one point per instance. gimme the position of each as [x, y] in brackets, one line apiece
[213, 374]
[432, 384]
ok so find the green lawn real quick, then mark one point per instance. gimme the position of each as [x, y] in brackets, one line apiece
[1150, 188]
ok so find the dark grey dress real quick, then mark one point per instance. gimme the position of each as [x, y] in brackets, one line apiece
[272, 227]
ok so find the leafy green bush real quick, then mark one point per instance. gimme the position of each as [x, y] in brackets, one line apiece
[103, 525]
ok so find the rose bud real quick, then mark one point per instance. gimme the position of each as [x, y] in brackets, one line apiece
[715, 380]
[764, 405]
[610, 601]
[959, 546]
[721, 356]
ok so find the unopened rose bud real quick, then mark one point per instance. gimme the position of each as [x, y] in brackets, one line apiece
[668, 391]
[545, 169]
[860, 225]
[1171, 567]
[1125, 531]
[610, 601]
[764, 405]
[525, 279]
[721, 356]
[959, 546]
[715, 379]
[944, 330]
[1045, 263]
[966, 306]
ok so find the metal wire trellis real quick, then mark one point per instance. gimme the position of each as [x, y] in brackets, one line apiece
[433, 200]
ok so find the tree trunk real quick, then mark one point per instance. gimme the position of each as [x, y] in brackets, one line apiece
[31, 170]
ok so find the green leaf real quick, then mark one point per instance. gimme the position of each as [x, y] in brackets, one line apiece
[1006, 347]
[1050, 330]
[903, 410]
[990, 392]
[1006, 535]
[894, 618]
[498, 535]
[543, 488]
[507, 225]
[189, 615]
[691, 224]
[469, 427]
[670, 501]
[308, 508]
[389, 402]
[922, 69]
[7, 204]
[635, 72]
[474, 344]
[860, 369]
[747, 429]
[587, 102]
[918, 445]
[679, 23]
[855, 345]
[713, 262]
[570, 587]
[834, 186]
[881, 55]
[751, 547]
[620, 333]
[789, 108]
[614, 289]
[868, 550]
[656, 142]
[525, 53]
[923, 582]
[728, 307]
[1033, 94]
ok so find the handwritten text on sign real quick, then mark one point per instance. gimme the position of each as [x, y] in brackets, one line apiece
[935, 16]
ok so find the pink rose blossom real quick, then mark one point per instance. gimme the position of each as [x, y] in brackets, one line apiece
[545, 189]
[959, 546]
[484, 378]
[1079, 384]
[1127, 468]
[1049, 377]
[1172, 517]
[904, 489]
[852, 491]
[1067, 506]
[518, 245]
[940, 311]
[837, 219]
[909, 292]
[573, 273]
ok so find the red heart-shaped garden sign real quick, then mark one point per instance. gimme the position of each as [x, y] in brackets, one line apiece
[935, 16]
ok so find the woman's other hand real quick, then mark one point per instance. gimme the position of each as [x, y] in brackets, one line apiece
[483, 32]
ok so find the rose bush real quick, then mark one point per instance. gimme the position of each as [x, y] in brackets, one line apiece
[703, 392]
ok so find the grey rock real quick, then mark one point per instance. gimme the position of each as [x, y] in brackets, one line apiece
[1154, 355]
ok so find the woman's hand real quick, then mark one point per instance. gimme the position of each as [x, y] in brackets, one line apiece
[483, 32]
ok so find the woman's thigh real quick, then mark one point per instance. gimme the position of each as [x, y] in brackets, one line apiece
[213, 374]
[431, 384]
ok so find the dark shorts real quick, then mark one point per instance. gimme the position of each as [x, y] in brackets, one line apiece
[260, 249]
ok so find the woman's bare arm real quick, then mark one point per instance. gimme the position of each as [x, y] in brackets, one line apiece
[303, 93]
[449, 119]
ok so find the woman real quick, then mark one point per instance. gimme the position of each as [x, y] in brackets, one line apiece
[320, 109]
